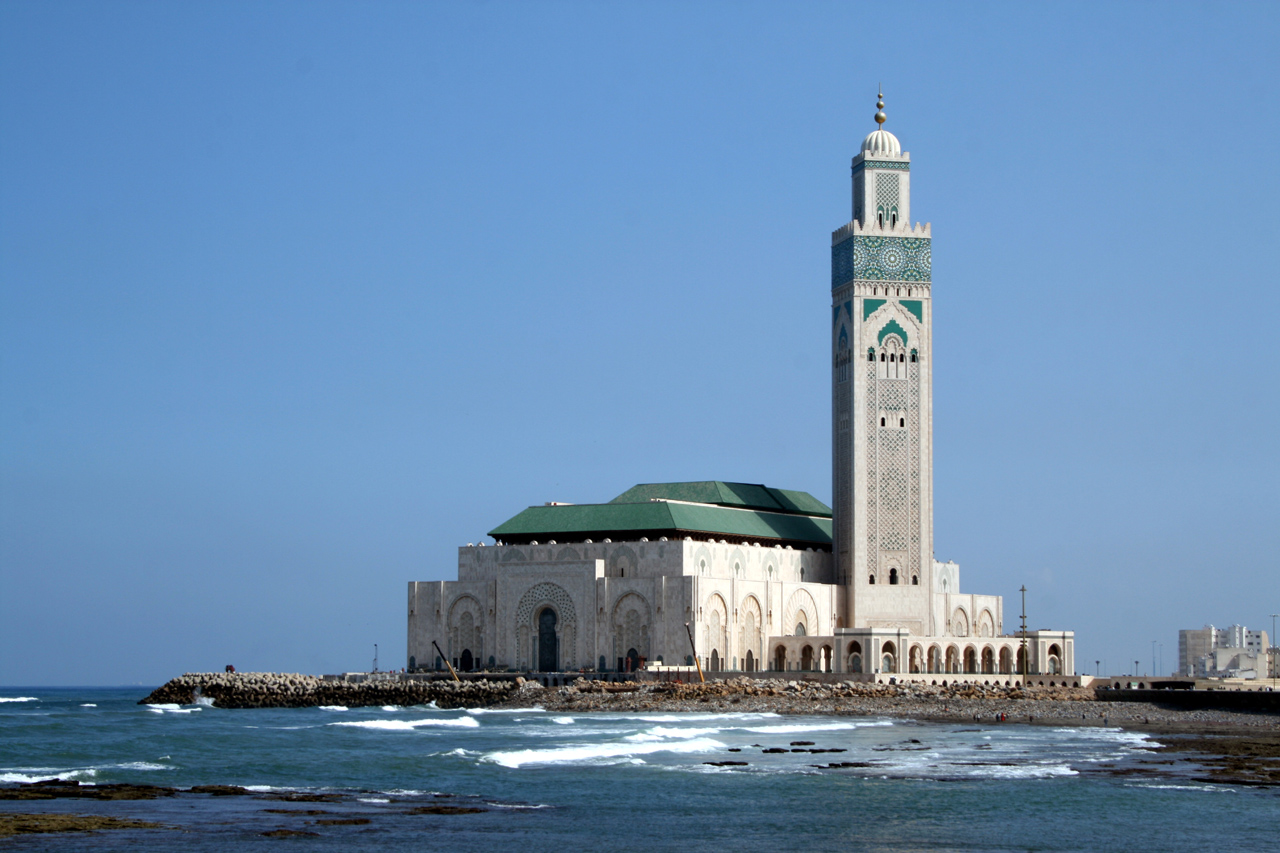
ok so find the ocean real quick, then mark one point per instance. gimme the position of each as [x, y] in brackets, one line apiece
[357, 779]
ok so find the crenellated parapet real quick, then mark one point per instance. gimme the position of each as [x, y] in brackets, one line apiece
[902, 229]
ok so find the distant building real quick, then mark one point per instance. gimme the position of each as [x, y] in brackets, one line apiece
[1234, 652]
[764, 578]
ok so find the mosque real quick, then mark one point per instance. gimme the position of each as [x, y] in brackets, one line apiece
[752, 578]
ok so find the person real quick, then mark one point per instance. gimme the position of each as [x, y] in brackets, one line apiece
[230, 668]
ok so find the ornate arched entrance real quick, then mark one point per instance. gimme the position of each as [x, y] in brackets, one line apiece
[548, 646]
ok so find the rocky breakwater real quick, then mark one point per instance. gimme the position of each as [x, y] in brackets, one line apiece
[290, 690]
[776, 695]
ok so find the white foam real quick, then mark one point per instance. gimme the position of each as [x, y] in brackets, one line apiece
[410, 725]
[333, 707]
[564, 721]
[372, 800]
[608, 753]
[694, 717]
[163, 706]
[27, 775]
[204, 701]
[88, 705]
[18, 699]
[138, 765]
[667, 733]
[532, 710]
[25, 778]
[391, 708]
[794, 728]
[517, 805]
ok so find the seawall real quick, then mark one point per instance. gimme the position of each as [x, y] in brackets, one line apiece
[291, 690]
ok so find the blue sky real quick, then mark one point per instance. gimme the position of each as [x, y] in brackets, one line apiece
[295, 298]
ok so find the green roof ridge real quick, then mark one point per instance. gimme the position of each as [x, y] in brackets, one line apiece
[729, 494]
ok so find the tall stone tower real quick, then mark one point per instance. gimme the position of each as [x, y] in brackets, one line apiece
[882, 396]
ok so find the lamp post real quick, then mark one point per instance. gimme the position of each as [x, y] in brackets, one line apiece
[1097, 668]
[1025, 662]
[1271, 655]
[1154, 671]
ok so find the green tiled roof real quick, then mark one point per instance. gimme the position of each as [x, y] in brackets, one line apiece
[744, 495]
[675, 510]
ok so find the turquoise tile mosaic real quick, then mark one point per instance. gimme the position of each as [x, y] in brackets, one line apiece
[883, 164]
[892, 328]
[881, 259]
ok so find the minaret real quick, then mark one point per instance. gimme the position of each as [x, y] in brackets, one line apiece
[882, 412]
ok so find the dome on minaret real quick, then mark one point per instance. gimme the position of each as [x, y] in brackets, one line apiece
[881, 142]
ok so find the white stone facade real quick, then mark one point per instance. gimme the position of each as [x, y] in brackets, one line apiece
[613, 599]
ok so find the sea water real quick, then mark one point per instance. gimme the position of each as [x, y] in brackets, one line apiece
[622, 781]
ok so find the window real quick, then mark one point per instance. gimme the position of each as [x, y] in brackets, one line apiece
[915, 580]
[882, 356]
[893, 577]
[902, 422]
[871, 355]
[872, 580]
[882, 422]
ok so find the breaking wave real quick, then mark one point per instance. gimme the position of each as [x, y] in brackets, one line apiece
[409, 725]
[604, 753]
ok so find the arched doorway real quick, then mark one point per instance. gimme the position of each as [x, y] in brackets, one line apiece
[806, 658]
[780, 658]
[714, 664]
[632, 661]
[751, 661]
[826, 658]
[548, 651]
[466, 662]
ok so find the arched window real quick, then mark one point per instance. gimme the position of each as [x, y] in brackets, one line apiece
[871, 579]
[902, 422]
[799, 629]
[882, 422]
[915, 580]
[913, 357]
[882, 356]
[893, 577]
[871, 355]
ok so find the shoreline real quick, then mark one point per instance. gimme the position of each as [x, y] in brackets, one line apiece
[957, 703]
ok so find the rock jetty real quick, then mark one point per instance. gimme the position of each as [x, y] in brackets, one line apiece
[291, 690]
[958, 702]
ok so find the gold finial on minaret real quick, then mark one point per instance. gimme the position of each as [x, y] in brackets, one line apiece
[880, 116]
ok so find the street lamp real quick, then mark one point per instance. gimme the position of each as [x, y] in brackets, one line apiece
[1271, 654]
